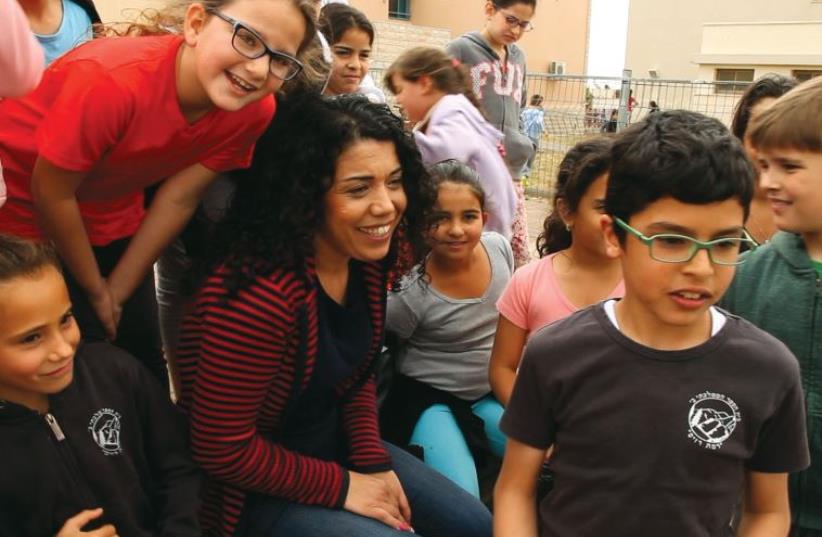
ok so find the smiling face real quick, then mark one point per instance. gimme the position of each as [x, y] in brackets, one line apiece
[459, 219]
[351, 59]
[364, 204]
[675, 295]
[497, 28]
[792, 181]
[38, 338]
[224, 77]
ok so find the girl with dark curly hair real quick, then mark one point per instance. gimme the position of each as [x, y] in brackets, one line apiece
[573, 271]
[445, 315]
[277, 356]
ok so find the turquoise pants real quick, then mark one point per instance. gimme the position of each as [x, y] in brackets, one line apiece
[445, 448]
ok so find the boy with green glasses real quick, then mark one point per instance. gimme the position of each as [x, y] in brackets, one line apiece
[660, 407]
[780, 287]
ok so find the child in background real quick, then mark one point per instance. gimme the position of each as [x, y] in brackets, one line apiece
[91, 444]
[655, 429]
[533, 122]
[21, 60]
[757, 98]
[574, 271]
[60, 25]
[172, 108]
[612, 124]
[435, 93]
[779, 288]
[498, 69]
[350, 35]
[445, 316]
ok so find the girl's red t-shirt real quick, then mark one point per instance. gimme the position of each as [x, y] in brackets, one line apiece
[109, 108]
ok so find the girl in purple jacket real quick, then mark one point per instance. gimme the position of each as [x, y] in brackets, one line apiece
[435, 92]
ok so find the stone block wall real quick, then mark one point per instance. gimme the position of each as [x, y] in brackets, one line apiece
[393, 37]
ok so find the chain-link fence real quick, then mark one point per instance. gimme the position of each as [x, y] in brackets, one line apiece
[578, 107]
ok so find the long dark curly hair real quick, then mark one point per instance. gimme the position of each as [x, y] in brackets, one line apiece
[580, 167]
[277, 207]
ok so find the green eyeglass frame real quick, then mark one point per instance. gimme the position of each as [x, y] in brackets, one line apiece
[675, 248]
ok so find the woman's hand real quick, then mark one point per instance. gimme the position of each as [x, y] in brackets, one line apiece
[74, 526]
[395, 488]
[107, 310]
[378, 496]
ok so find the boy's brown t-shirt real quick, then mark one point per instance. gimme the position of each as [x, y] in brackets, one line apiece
[648, 442]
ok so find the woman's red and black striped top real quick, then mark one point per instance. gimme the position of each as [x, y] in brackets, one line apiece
[238, 359]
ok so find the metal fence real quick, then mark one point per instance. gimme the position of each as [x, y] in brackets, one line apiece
[578, 107]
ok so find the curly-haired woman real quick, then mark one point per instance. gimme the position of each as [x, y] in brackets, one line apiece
[276, 358]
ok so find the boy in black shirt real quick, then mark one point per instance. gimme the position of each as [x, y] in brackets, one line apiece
[90, 442]
[660, 407]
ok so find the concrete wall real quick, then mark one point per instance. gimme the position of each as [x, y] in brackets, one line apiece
[375, 10]
[560, 34]
[560, 28]
[668, 36]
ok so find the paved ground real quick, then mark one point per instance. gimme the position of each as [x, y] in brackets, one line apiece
[536, 209]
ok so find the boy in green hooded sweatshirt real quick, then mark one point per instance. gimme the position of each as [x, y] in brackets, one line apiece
[779, 288]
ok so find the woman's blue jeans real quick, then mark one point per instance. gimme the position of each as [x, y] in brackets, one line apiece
[439, 508]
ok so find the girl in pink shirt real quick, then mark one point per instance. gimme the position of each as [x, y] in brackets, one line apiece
[573, 272]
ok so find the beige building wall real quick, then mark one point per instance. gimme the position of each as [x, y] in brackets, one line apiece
[375, 10]
[560, 28]
[560, 34]
[778, 47]
[672, 38]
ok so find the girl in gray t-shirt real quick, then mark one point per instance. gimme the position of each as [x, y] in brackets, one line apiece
[446, 317]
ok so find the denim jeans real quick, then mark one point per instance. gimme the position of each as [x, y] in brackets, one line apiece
[439, 508]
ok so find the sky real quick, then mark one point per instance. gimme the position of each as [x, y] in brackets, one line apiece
[609, 32]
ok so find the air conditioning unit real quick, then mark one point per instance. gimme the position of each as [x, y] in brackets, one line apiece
[556, 68]
[653, 73]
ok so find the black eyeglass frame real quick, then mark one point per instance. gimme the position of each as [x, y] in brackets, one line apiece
[272, 54]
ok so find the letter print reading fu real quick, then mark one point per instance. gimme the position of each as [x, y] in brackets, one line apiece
[712, 419]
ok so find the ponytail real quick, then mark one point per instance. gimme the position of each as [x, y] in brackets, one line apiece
[447, 73]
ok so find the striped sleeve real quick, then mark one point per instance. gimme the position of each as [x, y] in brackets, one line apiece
[366, 451]
[245, 370]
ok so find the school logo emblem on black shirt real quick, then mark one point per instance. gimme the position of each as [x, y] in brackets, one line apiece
[712, 419]
[104, 427]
